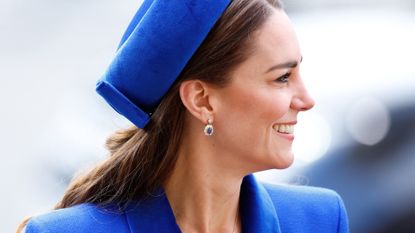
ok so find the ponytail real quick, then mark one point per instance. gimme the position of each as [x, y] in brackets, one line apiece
[140, 160]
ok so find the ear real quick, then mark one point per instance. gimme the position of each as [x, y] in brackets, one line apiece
[195, 97]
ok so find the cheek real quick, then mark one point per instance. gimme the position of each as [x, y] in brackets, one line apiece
[254, 109]
[270, 106]
[264, 106]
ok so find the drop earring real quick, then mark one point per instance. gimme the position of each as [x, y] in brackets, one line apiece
[208, 128]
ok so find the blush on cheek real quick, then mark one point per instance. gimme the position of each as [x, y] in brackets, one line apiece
[273, 107]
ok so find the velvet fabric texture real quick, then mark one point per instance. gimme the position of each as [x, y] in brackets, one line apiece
[160, 40]
[264, 208]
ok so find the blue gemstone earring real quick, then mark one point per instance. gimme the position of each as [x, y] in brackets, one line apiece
[208, 128]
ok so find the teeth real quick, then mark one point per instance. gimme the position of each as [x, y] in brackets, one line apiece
[284, 128]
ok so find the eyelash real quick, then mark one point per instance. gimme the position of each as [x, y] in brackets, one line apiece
[284, 78]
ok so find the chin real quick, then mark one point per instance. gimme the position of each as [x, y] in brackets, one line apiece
[283, 162]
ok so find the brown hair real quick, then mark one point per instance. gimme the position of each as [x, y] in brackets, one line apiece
[142, 159]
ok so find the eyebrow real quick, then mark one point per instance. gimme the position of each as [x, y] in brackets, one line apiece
[290, 64]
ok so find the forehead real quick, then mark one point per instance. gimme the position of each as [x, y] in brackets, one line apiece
[276, 40]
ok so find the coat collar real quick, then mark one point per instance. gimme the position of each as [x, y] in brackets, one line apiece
[155, 214]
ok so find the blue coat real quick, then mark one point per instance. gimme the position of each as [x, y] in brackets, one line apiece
[265, 208]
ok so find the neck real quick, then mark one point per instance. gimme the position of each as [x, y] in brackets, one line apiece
[204, 196]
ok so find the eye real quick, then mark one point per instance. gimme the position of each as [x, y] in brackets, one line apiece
[284, 78]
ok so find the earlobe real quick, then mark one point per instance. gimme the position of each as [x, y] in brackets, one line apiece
[195, 97]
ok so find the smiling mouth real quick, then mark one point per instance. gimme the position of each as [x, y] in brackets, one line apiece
[284, 129]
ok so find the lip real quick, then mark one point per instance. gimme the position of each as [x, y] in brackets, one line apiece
[287, 136]
[287, 123]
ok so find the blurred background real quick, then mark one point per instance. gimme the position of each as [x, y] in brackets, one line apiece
[358, 140]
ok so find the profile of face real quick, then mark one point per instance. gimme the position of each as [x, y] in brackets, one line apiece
[254, 115]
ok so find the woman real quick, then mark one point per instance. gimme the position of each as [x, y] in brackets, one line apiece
[213, 89]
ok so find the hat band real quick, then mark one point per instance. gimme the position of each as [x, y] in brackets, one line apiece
[122, 104]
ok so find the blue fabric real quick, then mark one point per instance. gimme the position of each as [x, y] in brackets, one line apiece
[265, 208]
[160, 40]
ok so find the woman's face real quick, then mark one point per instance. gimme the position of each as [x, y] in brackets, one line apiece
[257, 111]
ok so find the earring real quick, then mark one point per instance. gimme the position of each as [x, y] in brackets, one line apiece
[208, 128]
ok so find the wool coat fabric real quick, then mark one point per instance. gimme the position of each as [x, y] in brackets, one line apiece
[264, 208]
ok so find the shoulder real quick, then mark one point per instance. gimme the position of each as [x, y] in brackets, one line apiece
[318, 209]
[83, 218]
[302, 196]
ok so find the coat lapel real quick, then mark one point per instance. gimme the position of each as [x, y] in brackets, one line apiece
[155, 214]
[257, 209]
[152, 215]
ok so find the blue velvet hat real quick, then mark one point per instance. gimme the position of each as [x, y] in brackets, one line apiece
[160, 40]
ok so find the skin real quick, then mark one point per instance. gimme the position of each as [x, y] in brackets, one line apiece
[209, 170]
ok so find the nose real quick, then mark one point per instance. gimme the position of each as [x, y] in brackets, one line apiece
[302, 101]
